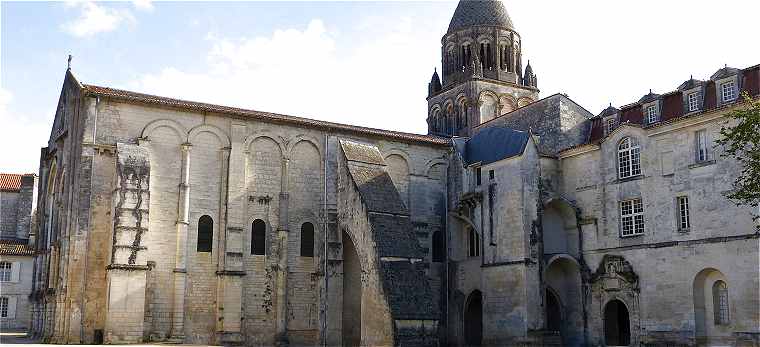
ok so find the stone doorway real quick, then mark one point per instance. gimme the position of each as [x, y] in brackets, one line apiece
[352, 294]
[473, 319]
[617, 327]
[553, 312]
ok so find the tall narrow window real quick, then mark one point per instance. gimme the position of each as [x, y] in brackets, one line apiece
[720, 303]
[474, 244]
[728, 91]
[205, 234]
[703, 146]
[631, 217]
[683, 213]
[652, 116]
[477, 176]
[5, 271]
[307, 240]
[629, 158]
[438, 247]
[4, 307]
[258, 237]
[693, 101]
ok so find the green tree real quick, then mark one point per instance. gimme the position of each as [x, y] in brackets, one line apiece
[741, 141]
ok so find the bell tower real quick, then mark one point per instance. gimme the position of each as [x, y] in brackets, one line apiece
[482, 71]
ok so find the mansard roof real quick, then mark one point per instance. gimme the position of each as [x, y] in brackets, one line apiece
[672, 108]
[135, 97]
[471, 13]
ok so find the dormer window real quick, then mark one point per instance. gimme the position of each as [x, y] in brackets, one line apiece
[609, 125]
[693, 101]
[728, 91]
[651, 112]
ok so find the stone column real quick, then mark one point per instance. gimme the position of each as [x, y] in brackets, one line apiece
[230, 284]
[282, 259]
[126, 274]
[177, 333]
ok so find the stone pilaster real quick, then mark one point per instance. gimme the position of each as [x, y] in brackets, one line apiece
[180, 258]
[230, 284]
[282, 259]
[126, 274]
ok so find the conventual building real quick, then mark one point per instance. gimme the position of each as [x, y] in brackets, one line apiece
[516, 221]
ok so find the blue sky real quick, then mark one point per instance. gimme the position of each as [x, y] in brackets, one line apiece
[364, 63]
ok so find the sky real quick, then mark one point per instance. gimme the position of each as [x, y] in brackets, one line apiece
[361, 63]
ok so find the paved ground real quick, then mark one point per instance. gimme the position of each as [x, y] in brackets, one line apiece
[20, 338]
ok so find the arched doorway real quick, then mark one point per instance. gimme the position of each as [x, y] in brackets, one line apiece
[564, 300]
[553, 311]
[712, 308]
[352, 294]
[617, 327]
[473, 319]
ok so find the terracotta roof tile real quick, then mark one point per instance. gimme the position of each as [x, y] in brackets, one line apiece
[10, 182]
[129, 96]
[15, 247]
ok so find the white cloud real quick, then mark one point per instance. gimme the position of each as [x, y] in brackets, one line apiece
[145, 5]
[22, 138]
[312, 72]
[96, 19]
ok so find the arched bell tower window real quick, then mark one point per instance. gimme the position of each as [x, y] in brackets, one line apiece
[205, 234]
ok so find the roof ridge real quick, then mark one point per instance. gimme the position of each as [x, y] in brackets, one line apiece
[128, 95]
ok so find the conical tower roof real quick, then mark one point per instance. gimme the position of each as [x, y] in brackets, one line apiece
[479, 12]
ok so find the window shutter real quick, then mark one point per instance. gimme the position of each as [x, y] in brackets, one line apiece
[15, 271]
[12, 307]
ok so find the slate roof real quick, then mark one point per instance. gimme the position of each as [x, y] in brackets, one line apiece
[377, 189]
[129, 96]
[495, 143]
[408, 291]
[649, 97]
[394, 237]
[479, 12]
[15, 247]
[608, 111]
[689, 84]
[724, 72]
[10, 182]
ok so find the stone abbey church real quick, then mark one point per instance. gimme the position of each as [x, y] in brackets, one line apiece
[518, 220]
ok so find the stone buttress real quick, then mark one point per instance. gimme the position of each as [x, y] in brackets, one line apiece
[398, 303]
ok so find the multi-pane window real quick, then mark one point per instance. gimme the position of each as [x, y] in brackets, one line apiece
[728, 91]
[693, 101]
[474, 244]
[4, 306]
[703, 146]
[651, 114]
[631, 217]
[720, 303]
[609, 125]
[629, 158]
[5, 271]
[683, 213]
